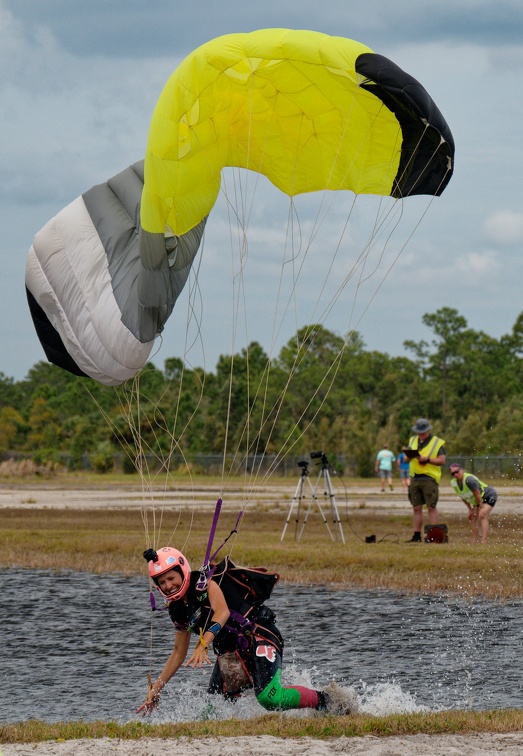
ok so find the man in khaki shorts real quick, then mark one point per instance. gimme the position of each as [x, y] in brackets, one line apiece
[427, 456]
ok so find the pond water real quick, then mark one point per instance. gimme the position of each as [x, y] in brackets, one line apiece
[79, 646]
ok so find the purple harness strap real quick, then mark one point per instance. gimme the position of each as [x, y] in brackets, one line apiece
[246, 625]
[155, 608]
[206, 570]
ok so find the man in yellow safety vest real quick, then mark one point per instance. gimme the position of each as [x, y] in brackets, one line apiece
[427, 456]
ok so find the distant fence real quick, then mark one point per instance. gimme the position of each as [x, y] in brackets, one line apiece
[510, 467]
[212, 464]
[491, 467]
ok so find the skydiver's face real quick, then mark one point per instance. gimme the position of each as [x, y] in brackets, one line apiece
[170, 582]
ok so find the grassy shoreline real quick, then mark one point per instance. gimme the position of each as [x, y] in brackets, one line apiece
[276, 725]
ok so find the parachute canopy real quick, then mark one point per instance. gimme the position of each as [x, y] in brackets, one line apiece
[309, 111]
[85, 281]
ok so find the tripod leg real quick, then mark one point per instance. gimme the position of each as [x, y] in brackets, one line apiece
[298, 495]
[308, 509]
[315, 498]
[334, 507]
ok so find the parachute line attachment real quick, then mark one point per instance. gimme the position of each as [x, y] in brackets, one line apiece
[206, 569]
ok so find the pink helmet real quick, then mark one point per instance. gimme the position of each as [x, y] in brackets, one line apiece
[166, 559]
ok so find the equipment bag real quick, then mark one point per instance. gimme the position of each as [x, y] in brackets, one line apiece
[255, 584]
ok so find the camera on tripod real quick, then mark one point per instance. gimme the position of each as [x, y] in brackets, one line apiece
[329, 497]
[320, 455]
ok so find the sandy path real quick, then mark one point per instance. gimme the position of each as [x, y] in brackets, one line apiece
[266, 745]
[57, 496]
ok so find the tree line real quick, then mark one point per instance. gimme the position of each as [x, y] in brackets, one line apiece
[322, 391]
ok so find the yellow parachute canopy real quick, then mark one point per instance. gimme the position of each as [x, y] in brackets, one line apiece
[292, 105]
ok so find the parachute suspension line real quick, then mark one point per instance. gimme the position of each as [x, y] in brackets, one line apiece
[141, 463]
[264, 381]
[262, 388]
[417, 224]
[289, 443]
[402, 248]
[279, 404]
[263, 385]
[290, 232]
[242, 215]
[242, 245]
[128, 449]
[242, 212]
[295, 253]
[130, 395]
[361, 263]
[429, 161]
[169, 428]
[333, 369]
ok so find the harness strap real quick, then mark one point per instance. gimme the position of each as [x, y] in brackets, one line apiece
[155, 608]
[206, 571]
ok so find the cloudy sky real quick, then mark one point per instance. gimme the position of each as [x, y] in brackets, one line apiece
[78, 85]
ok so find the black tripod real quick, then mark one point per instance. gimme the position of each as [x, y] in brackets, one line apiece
[297, 498]
[328, 492]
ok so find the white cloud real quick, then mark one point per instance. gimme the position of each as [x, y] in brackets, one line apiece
[504, 227]
[477, 265]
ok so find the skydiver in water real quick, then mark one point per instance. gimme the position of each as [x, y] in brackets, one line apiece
[248, 644]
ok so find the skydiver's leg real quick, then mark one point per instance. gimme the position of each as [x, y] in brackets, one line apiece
[270, 693]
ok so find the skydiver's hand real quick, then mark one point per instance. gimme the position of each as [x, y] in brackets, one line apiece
[150, 704]
[199, 656]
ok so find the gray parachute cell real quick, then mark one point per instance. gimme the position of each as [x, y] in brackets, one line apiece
[99, 289]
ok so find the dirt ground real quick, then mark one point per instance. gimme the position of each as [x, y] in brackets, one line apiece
[478, 744]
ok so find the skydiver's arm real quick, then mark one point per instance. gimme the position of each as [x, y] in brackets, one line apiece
[172, 665]
[220, 615]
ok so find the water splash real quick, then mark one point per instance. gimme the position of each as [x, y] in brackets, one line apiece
[381, 699]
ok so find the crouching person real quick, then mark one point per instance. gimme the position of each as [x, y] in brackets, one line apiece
[242, 633]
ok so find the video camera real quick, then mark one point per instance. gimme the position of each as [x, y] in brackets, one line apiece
[320, 455]
[303, 464]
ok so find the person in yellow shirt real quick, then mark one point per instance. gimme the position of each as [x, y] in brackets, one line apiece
[427, 457]
[479, 498]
